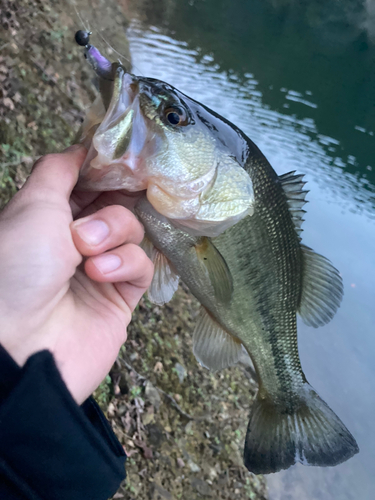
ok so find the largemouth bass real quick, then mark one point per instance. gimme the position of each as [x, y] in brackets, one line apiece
[218, 216]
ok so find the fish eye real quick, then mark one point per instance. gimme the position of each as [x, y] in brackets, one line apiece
[176, 116]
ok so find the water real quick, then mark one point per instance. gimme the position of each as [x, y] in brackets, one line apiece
[299, 79]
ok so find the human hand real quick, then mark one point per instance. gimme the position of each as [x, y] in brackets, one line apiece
[48, 298]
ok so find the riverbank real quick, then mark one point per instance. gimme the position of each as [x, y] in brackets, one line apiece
[183, 427]
[45, 85]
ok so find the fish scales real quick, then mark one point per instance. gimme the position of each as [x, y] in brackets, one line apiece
[264, 256]
[218, 216]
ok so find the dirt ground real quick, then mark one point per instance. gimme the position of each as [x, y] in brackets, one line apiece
[183, 427]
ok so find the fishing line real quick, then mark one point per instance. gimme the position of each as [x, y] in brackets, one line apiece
[86, 26]
[119, 53]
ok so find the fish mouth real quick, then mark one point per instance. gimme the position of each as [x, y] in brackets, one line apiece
[186, 174]
[114, 133]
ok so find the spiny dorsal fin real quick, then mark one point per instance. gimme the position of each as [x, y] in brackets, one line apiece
[322, 289]
[213, 347]
[293, 188]
[214, 265]
[165, 280]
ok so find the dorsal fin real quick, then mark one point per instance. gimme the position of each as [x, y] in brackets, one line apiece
[322, 289]
[165, 280]
[293, 188]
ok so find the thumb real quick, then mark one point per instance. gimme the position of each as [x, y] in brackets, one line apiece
[56, 173]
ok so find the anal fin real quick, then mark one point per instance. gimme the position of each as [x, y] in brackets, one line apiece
[322, 289]
[213, 347]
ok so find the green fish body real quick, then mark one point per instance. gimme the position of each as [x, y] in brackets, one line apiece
[217, 216]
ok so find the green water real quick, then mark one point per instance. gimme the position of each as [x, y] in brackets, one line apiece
[299, 78]
[313, 47]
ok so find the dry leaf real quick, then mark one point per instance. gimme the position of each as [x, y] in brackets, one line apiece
[7, 101]
[158, 368]
[149, 416]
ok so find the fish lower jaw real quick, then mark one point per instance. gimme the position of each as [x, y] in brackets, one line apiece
[110, 177]
[172, 206]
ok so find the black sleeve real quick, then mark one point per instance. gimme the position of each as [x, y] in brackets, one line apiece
[49, 446]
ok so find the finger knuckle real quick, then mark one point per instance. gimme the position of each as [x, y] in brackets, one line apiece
[139, 257]
[128, 220]
[45, 160]
[144, 261]
[147, 267]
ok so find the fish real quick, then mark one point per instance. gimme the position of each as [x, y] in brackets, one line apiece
[217, 216]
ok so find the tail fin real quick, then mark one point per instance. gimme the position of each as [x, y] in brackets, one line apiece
[312, 435]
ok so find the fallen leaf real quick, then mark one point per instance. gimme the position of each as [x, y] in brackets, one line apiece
[111, 410]
[149, 416]
[7, 101]
[147, 452]
[158, 368]
[127, 422]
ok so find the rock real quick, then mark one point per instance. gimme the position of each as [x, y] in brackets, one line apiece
[202, 487]
[155, 435]
[159, 493]
[212, 473]
[152, 395]
[189, 427]
[236, 458]
[181, 372]
[193, 466]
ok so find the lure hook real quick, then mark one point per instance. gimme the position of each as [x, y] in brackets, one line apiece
[100, 64]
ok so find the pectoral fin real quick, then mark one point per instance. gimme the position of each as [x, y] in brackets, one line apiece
[214, 265]
[165, 280]
[213, 347]
[322, 289]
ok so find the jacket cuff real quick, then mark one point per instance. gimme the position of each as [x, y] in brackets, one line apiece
[50, 446]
